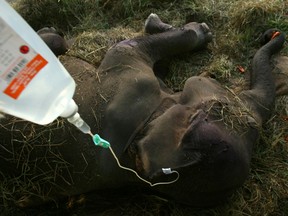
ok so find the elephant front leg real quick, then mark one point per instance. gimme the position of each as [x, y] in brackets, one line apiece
[149, 49]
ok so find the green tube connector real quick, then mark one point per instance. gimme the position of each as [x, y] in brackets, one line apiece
[100, 142]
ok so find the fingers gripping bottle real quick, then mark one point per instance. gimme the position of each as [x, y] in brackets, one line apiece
[34, 85]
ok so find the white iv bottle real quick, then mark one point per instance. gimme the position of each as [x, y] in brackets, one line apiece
[34, 85]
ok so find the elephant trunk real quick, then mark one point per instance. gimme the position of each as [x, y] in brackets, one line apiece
[262, 71]
[261, 95]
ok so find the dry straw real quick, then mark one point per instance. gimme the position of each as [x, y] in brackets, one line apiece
[96, 25]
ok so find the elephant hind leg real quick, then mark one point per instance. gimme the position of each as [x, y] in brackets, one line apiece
[149, 49]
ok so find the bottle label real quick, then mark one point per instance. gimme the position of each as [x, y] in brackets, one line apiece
[19, 63]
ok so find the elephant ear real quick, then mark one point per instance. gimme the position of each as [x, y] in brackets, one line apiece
[281, 75]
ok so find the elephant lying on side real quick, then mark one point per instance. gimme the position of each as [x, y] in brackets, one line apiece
[205, 132]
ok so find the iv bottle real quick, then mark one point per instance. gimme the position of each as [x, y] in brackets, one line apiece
[34, 85]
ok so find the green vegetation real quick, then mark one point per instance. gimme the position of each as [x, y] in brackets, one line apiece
[95, 25]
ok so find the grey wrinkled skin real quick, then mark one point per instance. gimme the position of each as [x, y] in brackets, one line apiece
[205, 132]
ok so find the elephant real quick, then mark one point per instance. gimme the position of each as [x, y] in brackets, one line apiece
[204, 133]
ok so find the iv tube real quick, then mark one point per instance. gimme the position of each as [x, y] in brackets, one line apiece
[98, 141]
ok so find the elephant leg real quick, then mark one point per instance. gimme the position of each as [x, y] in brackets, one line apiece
[193, 36]
[54, 40]
[149, 49]
[154, 25]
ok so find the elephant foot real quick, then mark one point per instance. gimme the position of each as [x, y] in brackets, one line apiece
[202, 30]
[154, 25]
[54, 40]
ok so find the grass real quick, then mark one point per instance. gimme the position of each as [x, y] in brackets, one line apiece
[95, 25]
